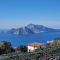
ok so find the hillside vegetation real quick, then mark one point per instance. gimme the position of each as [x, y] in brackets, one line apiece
[51, 51]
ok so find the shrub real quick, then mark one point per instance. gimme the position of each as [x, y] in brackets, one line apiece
[22, 48]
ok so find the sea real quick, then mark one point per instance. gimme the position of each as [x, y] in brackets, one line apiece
[17, 40]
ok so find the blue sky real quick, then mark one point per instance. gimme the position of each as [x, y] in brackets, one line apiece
[17, 13]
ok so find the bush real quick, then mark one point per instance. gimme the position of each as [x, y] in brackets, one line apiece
[22, 48]
[5, 47]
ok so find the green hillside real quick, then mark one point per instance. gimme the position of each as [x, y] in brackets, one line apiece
[51, 51]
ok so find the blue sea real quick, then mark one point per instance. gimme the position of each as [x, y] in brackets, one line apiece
[17, 40]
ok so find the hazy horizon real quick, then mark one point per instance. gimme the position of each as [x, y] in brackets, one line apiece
[18, 13]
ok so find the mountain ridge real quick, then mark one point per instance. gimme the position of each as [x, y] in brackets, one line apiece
[31, 29]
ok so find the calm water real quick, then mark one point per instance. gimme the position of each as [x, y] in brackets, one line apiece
[24, 40]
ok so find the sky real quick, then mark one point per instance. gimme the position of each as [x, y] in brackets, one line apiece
[17, 13]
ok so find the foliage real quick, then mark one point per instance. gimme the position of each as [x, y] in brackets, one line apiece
[5, 47]
[36, 55]
[22, 48]
[39, 54]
